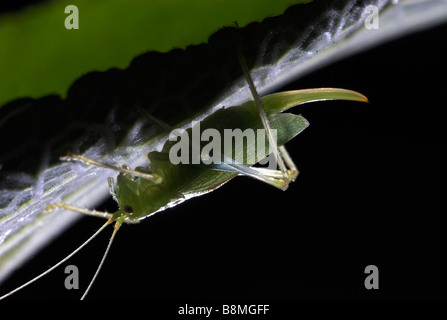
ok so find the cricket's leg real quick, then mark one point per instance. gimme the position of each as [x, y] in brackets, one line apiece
[275, 178]
[265, 121]
[124, 169]
[293, 170]
[87, 212]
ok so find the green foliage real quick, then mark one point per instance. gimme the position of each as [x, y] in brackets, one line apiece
[39, 56]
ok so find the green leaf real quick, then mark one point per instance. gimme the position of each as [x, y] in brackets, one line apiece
[39, 56]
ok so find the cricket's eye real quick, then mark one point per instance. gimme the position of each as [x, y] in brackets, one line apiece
[128, 209]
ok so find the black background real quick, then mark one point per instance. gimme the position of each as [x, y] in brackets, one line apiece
[370, 192]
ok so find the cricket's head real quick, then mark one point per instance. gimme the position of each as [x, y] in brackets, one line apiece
[129, 197]
[138, 197]
[124, 214]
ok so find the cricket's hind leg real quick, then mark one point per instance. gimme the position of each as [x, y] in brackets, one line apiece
[287, 167]
[275, 178]
[293, 170]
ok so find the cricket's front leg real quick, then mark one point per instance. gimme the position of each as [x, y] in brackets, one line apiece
[124, 169]
[88, 212]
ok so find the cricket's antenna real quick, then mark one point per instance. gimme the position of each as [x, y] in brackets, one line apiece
[109, 221]
[115, 230]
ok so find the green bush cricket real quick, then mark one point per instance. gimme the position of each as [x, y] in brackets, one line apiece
[140, 193]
